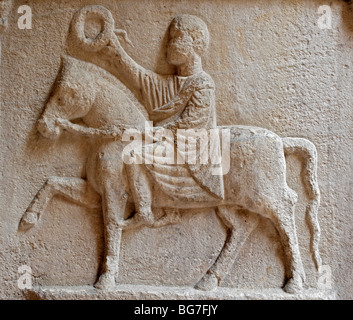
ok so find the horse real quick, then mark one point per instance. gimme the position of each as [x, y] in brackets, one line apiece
[254, 186]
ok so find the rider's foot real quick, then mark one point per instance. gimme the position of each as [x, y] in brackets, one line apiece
[146, 217]
[172, 216]
[137, 220]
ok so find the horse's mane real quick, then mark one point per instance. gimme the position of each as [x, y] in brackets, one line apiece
[77, 70]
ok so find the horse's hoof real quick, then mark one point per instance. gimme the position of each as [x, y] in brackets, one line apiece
[29, 220]
[208, 282]
[293, 285]
[105, 282]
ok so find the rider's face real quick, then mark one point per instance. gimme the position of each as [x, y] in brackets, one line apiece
[180, 46]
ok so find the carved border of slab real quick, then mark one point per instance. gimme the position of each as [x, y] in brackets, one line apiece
[142, 292]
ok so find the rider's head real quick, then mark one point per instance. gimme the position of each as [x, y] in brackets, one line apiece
[188, 36]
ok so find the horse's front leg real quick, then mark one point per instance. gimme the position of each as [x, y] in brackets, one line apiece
[113, 186]
[113, 205]
[75, 189]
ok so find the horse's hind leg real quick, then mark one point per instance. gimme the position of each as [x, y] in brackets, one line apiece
[239, 226]
[283, 218]
[75, 189]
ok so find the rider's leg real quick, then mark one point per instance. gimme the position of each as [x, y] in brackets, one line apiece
[141, 190]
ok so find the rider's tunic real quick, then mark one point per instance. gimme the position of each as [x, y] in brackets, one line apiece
[175, 102]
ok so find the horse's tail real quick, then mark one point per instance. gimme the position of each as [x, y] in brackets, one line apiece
[307, 151]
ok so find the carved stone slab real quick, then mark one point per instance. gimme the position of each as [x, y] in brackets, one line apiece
[176, 150]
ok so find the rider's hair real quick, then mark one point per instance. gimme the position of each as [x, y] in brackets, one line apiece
[196, 28]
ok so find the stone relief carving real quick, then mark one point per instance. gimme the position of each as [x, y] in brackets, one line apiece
[145, 192]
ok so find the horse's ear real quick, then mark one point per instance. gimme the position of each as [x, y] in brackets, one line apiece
[66, 63]
[63, 66]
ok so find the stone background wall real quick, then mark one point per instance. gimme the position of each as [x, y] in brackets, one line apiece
[273, 68]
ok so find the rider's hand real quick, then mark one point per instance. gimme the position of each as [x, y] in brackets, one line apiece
[63, 123]
[112, 48]
[108, 51]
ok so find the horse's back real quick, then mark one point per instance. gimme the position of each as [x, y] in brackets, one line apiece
[244, 133]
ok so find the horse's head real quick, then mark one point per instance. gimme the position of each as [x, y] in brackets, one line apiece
[70, 99]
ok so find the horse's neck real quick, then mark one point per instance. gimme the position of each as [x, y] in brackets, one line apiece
[108, 100]
[112, 106]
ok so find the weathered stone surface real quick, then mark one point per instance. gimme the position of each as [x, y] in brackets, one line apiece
[267, 65]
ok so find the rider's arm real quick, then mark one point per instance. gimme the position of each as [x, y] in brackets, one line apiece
[175, 106]
[116, 54]
[196, 113]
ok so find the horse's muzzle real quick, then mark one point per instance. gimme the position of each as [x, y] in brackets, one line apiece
[48, 128]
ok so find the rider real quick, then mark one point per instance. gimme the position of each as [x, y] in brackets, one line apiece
[185, 100]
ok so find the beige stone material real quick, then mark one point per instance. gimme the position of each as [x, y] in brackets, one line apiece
[5, 7]
[237, 183]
